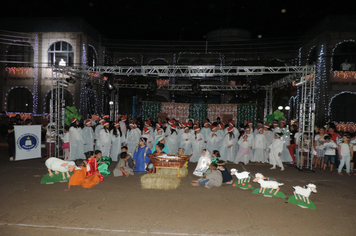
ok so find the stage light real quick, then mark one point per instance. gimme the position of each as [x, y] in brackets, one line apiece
[287, 108]
[196, 88]
[71, 80]
[280, 108]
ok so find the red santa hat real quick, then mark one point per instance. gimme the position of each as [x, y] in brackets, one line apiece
[173, 126]
[123, 118]
[266, 125]
[158, 129]
[213, 127]
[196, 128]
[230, 129]
[132, 123]
[232, 122]
[249, 122]
[171, 122]
[73, 120]
[222, 126]
[105, 123]
[159, 124]
[274, 123]
[283, 121]
[87, 121]
[247, 128]
[117, 123]
[147, 123]
[101, 120]
[146, 130]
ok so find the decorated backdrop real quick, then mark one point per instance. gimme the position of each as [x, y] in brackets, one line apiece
[182, 111]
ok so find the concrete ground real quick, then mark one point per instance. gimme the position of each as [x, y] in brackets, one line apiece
[118, 206]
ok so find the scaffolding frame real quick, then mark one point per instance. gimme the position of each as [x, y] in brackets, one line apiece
[56, 111]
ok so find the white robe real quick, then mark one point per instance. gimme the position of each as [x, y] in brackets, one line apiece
[172, 143]
[244, 151]
[76, 144]
[104, 142]
[96, 135]
[213, 143]
[260, 148]
[197, 144]
[228, 154]
[275, 148]
[88, 138]
[206, 134]
[123, 127]
[132, 139]
[116, 144]
[203, 164]
[186, 144]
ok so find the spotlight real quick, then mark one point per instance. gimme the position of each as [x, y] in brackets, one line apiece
[196, 88]
[152, 85]
[71, 80]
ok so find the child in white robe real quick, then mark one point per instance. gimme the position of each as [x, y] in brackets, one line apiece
[203, 163]
[260, 146]
[197, 144]
[275, 151]
[172, 140]
[213, 140]
[228, 148]
[88, 136]
[186, 141]
[104, 140]
[117, 139]
[244, 150]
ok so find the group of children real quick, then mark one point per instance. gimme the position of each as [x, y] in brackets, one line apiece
[334, 148]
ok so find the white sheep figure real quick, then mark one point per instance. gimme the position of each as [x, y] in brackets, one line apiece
[240, 176]
[259, 178]
[304, 192]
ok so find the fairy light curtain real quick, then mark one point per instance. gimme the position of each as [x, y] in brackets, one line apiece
[179, 111]
[198, 111]
[151, 109]
[247, 111]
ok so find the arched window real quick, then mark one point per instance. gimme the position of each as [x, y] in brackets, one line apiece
[20, 100]
[68, 98]
[60, 53]
[345, 51]
[22, 54]
[341, 108]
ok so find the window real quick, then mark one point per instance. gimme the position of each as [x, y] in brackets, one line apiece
[341, 108]
[20, 100]
[344, 52]
[21, 54]
[61, 53]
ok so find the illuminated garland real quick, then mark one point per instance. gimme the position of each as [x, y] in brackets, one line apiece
[35, 76]
[344, 74]
[24, 116]
[19, 70]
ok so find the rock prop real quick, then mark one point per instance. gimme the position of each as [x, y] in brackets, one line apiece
[268, 188]
[301, 196]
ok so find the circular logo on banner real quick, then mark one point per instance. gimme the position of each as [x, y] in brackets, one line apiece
[27, 141]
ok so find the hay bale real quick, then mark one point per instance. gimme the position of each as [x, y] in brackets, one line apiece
[183, 171]
[159, 181]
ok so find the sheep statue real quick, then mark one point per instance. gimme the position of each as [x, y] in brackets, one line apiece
[243, 179]
[301, 196]
[267, 184]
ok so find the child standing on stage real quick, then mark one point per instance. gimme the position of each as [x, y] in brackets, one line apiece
[275, 151]
[65, 144]
[330, 152]
[345, 154]
[244, 150]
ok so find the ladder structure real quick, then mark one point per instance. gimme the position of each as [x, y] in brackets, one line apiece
[56, 111]
[306, 121]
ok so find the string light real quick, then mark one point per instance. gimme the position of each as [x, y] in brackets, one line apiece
[35, 76]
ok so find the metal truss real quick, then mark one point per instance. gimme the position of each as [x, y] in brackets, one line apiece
[185, 71]
[188, 87]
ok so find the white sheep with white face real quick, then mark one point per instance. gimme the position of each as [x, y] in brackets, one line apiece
[304, 193]
[240, 176]
[259, 178]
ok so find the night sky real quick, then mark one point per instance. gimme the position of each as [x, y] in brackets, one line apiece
[185, 20]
